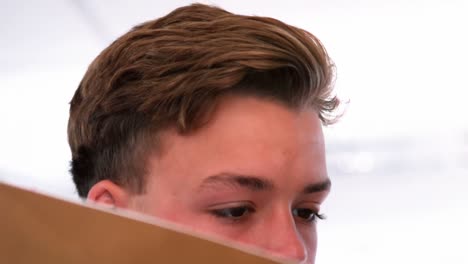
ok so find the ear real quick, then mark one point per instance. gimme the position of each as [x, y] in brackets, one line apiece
[108, 193]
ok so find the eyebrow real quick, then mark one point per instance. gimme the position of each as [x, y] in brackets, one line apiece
[318, 187]
[250, 182]
[254, 183]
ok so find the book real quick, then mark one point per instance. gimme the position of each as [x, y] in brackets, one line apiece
[37, 228]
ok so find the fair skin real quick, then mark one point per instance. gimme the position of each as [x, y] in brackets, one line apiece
[255, 173]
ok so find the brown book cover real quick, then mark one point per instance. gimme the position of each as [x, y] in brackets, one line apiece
[36, 228]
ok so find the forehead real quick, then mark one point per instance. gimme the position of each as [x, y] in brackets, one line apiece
[249, 136]
[246, 118]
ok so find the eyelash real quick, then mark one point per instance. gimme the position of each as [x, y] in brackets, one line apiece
[313, 216]
[232, 213]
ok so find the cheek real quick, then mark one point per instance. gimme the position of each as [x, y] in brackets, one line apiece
[199, 222]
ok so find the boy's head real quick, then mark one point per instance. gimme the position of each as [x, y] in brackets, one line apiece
[212, 120]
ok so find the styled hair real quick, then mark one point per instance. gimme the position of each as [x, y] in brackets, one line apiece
[170, 73]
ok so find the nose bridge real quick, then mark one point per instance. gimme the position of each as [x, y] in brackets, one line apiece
[283, 239]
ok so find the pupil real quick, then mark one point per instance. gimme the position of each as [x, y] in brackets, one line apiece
[304, 213]
[237, 212]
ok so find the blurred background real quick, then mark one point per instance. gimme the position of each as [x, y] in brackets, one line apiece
[398, 159]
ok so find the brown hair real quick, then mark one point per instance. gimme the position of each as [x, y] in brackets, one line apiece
[170, 72]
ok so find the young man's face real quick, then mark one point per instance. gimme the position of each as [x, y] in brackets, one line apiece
[255, 174]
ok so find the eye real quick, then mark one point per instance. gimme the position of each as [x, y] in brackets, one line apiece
[233, 213]
[307, 215]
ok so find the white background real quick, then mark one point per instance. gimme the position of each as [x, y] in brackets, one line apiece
[398, 159]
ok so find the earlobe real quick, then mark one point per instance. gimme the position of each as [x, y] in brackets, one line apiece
[108, 193]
